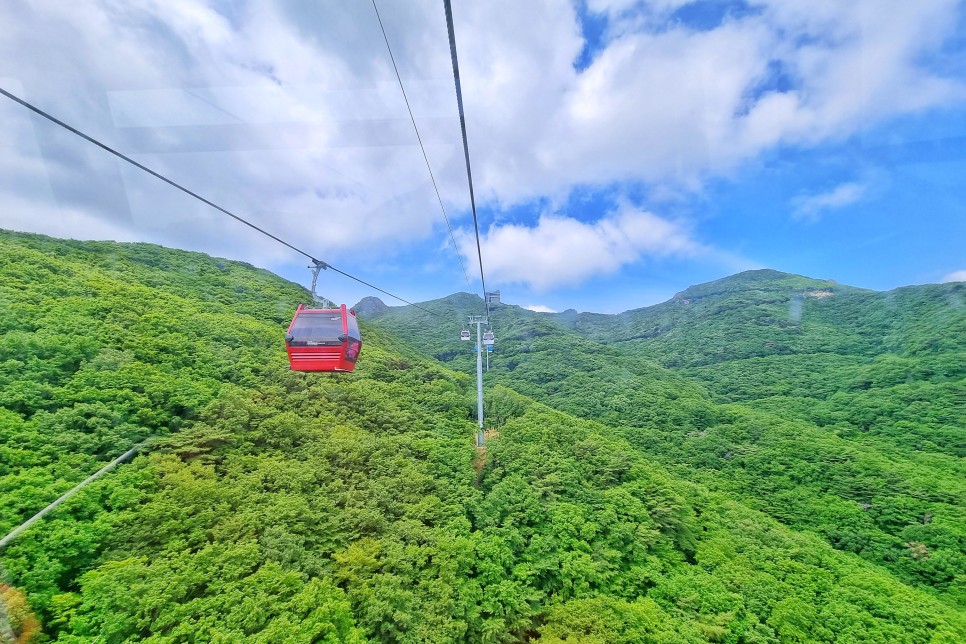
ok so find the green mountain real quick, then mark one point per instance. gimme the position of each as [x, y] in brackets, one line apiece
[281, 506]
[888, 365]
[835, 410]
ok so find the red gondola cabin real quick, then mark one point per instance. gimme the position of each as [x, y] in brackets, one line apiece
[323, 339]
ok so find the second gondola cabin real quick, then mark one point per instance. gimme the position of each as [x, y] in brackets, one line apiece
[323, 339]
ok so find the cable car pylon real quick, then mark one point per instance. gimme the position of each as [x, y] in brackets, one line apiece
[480, 321]
[316, 266]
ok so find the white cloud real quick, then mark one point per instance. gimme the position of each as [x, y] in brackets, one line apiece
[539, 308]
[668, 103]
[811, 207]
[860, 64]
[563, 251]
[57, 221]
[288, 112]
[251, 112]
[955, 276]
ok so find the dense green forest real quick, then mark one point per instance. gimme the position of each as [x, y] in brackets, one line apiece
[835, 410]
[625, 494]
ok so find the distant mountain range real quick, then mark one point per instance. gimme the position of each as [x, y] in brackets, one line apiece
[850, 400]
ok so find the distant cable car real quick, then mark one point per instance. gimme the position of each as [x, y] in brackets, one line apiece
[488, 338]
[465, 335]
[323, 339]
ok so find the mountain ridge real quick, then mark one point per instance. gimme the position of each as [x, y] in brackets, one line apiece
[874, 375]
[759, 277]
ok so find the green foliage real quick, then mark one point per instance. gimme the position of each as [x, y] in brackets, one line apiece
[607, 620]
[850, 402]
[287, 507]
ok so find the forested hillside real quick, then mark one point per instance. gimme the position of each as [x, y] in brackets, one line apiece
[863, 361]
[617, 501]
[851, 404]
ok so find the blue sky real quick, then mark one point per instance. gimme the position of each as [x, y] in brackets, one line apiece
[621, 150]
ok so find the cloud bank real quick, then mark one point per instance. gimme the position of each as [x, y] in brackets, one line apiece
[563, 251]
[539, 308]
[666, 101]
[288, 112]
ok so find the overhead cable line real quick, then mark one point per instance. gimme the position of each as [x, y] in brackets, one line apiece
[374, 287]
[106, 147]
[174, 184]
[74, 490]
[466, 147]
[421, 146]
